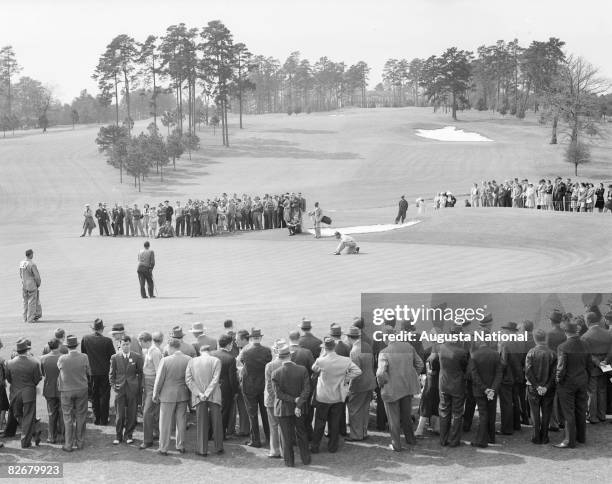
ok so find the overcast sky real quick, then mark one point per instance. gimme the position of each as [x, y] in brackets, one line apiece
[59, 41]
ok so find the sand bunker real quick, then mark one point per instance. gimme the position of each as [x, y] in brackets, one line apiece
[364, 229]
[450, 133]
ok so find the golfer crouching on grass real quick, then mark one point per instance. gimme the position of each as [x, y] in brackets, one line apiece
[346, 242]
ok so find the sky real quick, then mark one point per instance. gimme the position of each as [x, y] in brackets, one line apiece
[59, 42]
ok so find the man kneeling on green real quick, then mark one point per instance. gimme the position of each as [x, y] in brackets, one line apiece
[346, 242]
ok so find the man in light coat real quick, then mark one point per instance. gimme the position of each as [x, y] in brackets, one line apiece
[202, 379]
[171, 392]
[30, 281]
[275, 451]
[398, 372]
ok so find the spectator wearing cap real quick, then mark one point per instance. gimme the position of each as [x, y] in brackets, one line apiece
[59, 335]
[152, 356]
[485, 374]
[361, 387]
[202, 378]
[99, 350]
[74, 373]
[228, 381]
[172, 394]
[118, 332]
[308, 340]
[275, 451]
[335, 373]
[291, 385]
[574, 361]
[23, 373]
[254, 359]
[554, 337]
[398, 371]
[50, 372]
[126, 379]
[540, 366]
[513, 361]
[201, 334]
[186, 348]
[599, 344]
[453, 357]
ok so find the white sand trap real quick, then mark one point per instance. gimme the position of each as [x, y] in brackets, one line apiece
[364, 229]
[451, 133]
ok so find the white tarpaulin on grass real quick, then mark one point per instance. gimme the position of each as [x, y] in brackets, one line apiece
[451, 133]
[364, 229]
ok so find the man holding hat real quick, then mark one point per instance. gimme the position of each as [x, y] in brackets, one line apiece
[574, 361]
[254, 359]
[50, 371]
[335, 374]
[291, 390]
[599, 343]
[308, 340]
[99, 350]
[361, 388]
[202, 378]
[30, 281]
[23, 373]
[73, 381]
[513, 373]
[126, 379]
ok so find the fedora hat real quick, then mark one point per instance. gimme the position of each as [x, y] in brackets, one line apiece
[256, 333]
[177, 332]
[306, 324]
[555, 316]
[512, 326]
[117, 328]
[197, 328]
[354, 332]
[335, 330]
[22, 344]
[283, 351]
[97, 325]
[72, 341]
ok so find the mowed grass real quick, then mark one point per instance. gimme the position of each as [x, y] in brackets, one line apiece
[356, 163]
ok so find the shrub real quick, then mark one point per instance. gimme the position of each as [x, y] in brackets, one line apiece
[481, 105]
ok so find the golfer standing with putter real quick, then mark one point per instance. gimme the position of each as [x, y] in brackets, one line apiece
[146, 263]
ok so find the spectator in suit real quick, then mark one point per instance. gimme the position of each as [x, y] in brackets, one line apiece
[361, 387]
[118, 332]
[254, 359]
[126, 379]
[152, 356]
[202, 378]
[73, 379]
[275, 451]
[204, 339]
[23, 373]
[398, 371]
[228, 379]
[573, 363]
[50, 372]
[513, 361]
[342, 349]
[171, 392]
[186, 348]
[335, 374]
[308, 340]
[300, 355]
[554, 337]
[244, 430]
[453, 359]
[486, 374]
[526, 327]
[59, 335]
[99, 350]
[599, 344]
[291, 389]
[540, 366]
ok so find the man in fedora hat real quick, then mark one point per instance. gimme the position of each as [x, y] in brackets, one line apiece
[187, 349]
[513, 373]
[308, 340]
[254, 359]
[59, 335]
[554, 337]
[118, 332]
[73, 381]
[126, 379]
[200, 334]
[50, 372]
[172, 394]
[30, 282]
[574, 361]
[599, 343]
[342, 349]
[291, 385]
[99, 350]
[335, 373]
[202, 378]
[23, 373]
[228, 380]
[361, 388]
